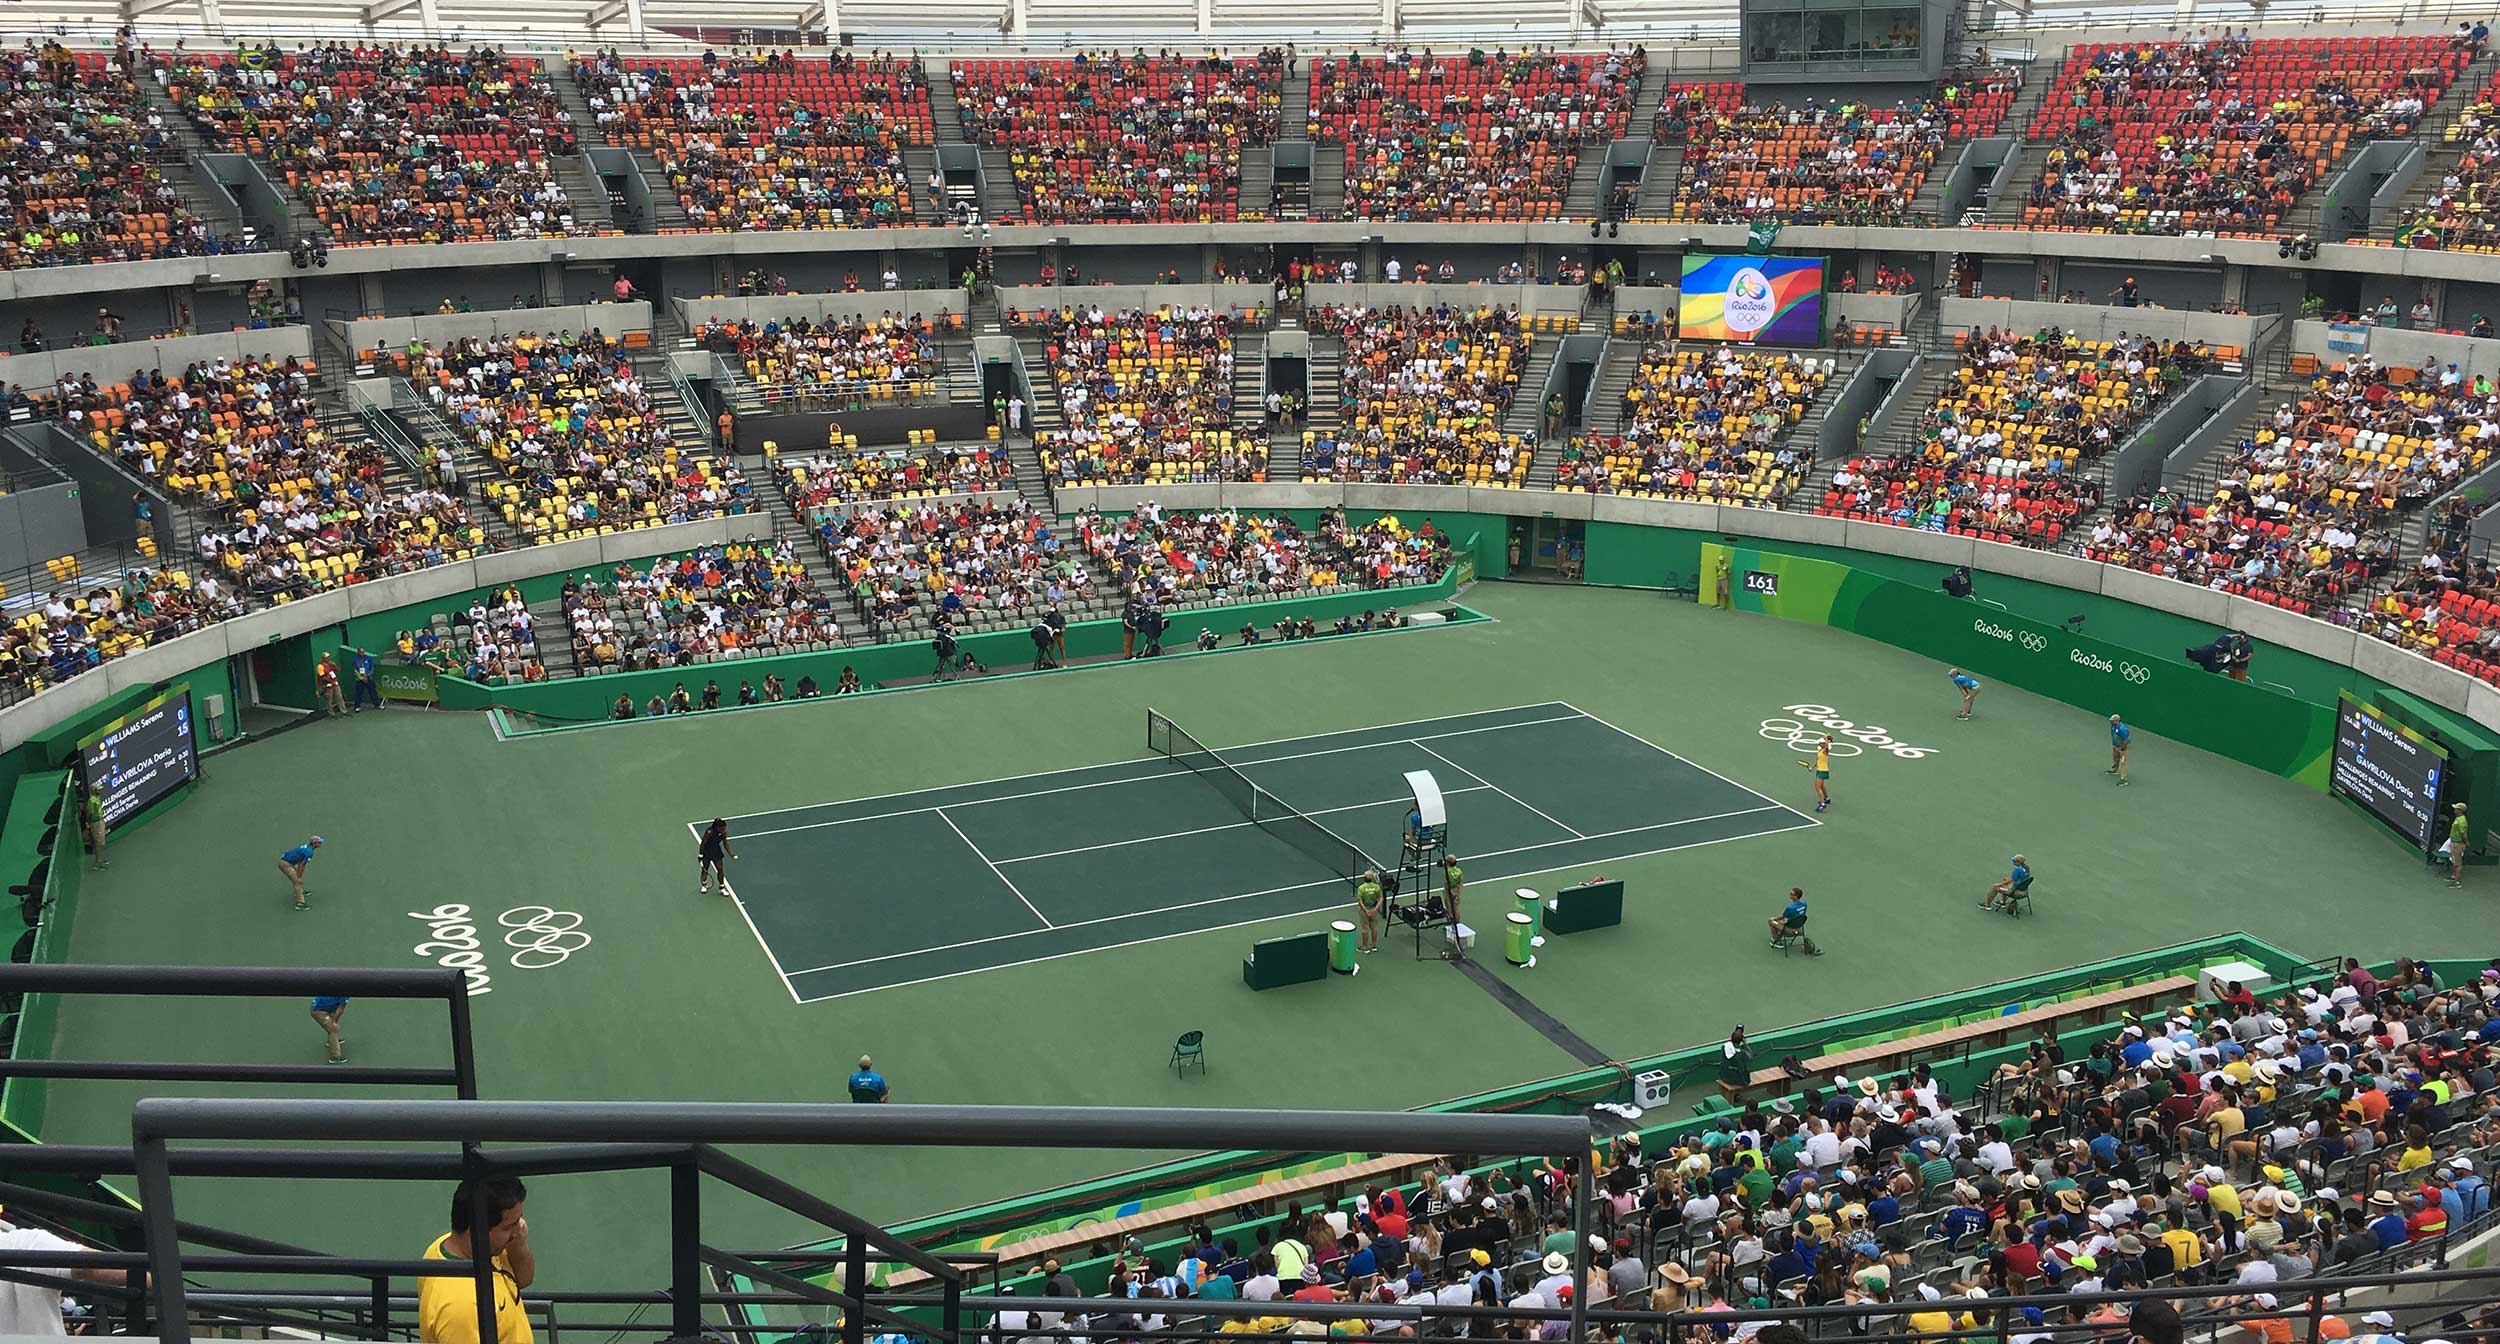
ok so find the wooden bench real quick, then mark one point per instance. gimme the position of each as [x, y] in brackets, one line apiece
[1078, 1243]
[1988, 1034]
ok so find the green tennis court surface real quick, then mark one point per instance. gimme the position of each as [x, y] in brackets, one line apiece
[873, 893]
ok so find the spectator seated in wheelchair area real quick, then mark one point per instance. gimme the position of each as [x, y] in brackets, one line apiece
[2011, 890]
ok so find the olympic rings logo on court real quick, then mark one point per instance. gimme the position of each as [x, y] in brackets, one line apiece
[1849, 738]
[2033, 641]
[542, 936]
[2135, 673]
[1800, 738]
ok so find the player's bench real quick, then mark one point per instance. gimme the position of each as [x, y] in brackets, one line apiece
[1985, 1034]
[1331, 1187]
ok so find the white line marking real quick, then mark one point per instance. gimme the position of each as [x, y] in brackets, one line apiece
[1801, 816]
[1305, 886]
[732, 892]
[1107, 765]
[1266, 919]
[994, 869]
[1210, 830]
[1160, 769]
[1575, 833]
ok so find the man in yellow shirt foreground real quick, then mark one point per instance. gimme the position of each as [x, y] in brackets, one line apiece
[447, 1306]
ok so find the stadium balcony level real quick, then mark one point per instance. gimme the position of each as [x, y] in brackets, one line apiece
[870, 244]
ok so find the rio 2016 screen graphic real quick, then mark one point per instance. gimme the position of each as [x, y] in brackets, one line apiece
[1754, 300]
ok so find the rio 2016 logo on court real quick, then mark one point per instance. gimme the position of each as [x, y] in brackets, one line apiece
[1749, 305]
[1801, 734]
[539, 936]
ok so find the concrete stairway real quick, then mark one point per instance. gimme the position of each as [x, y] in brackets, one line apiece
[1644, 120]
[300, 219]
[2441, 157]
[1527, 411]
[1249, 383]
[998, 185]
[589, 196]
[1659, 182]
[575, 101]
[1293, 111]
[667, 212]
[1807, 433]
[1258, 182]
[945, 113]
[1327, 181]
[1582, 201]
[1614, 378]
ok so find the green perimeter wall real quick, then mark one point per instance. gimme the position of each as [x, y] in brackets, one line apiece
[582, 699]
[1629, 555]
[2253, 724]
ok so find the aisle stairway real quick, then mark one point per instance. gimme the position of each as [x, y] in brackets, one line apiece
[1527, 412]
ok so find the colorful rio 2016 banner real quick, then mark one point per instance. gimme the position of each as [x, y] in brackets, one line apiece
[1753, 300]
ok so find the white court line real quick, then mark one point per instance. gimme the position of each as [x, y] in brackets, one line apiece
[1106, 765]
[1300, 886]
[1575, 834]
[1693, 763]
[1266, 919]
[976, 853]
[1162, 771]
[1210, 830]
[732, 893]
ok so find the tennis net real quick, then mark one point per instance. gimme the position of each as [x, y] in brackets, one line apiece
[1269, 812]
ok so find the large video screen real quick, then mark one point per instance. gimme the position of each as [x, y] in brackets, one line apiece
[142, 756]
[1752, 300]
[2391, 770]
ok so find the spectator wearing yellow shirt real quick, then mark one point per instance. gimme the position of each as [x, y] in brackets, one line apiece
[447, 1305]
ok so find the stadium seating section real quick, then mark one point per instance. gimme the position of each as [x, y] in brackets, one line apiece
[2305, 510]
[2459, 216]
[1148, 397]
[569, 427]
[2218, 136]
[70, 631]
[1424, 393]
[909, 560]
[877, 358]
[742, 600]
[1703, 424]
[769, 142]
[1845, 162]
[849, 473]
[389, 144]
[1477, 137]
[1174, 555]
[1103, 137]
[83, 182]
[2003, 452]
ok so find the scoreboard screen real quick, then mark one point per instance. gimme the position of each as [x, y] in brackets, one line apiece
[2390, 770]
[142, 756]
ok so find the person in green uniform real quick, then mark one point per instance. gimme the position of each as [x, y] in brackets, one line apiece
[2455, 847]
[91, 816]
[1367, 907]
[1735, 1063]
[1452, 882]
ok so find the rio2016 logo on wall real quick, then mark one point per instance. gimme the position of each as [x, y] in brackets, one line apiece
[1750, 305]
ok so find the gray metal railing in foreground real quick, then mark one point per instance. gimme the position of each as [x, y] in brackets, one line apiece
[686, 1133]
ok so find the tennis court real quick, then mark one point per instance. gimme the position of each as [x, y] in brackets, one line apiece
[871, 893]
